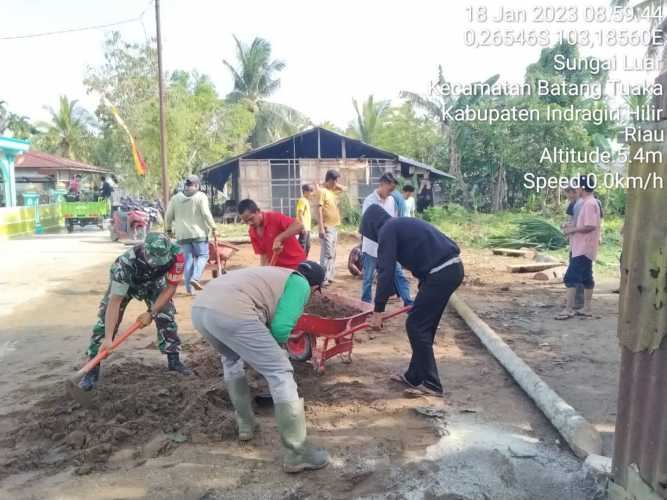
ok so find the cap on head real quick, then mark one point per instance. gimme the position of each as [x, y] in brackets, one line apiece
[158, 249]
[312, 271]
[191, 180]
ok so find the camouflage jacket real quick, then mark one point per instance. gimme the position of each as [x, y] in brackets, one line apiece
[131, 270]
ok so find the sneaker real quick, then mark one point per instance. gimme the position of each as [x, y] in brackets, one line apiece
[196, 285]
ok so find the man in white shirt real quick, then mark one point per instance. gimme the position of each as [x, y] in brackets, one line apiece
[408, 196]
[382, 197]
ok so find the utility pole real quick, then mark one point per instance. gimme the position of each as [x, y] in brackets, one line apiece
[163, 125]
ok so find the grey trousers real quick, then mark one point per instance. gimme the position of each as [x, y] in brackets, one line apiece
[328, 253]
[239, 340]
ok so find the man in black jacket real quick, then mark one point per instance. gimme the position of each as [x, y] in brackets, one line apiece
[434, 260]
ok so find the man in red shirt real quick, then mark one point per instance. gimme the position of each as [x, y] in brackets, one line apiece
[273, 233]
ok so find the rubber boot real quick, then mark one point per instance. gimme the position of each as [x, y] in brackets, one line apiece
[239, 393]
[89, 381]
[299, 455]
[174, 362]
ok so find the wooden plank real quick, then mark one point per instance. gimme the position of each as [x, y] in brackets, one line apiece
[553, 274]
[532, 268]
[235, 240]
[512, 252]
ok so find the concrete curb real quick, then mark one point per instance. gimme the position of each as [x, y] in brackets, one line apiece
[582, 437]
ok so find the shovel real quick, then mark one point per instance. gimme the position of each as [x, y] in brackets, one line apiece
[84, 398]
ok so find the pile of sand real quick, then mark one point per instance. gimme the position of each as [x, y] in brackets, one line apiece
[322, 306]
[141, 409]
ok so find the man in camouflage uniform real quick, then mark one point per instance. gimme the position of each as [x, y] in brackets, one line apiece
[150, 272]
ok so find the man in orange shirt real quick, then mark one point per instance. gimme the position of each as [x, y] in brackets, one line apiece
[273, 233]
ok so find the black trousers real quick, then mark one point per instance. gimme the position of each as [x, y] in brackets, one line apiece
[422, 323]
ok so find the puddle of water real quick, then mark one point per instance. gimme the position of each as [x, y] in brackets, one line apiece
[462, 436]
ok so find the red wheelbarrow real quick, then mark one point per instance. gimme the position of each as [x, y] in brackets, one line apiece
[219, 253]
[317, 339]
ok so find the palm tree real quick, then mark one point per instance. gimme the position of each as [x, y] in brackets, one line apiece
[4, 117]
[255, 79]
[19, 125]
[436, 106]
[67, 129]
[369, 118]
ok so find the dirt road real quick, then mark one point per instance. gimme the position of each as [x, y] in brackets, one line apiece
[161, 436]
[578, 358]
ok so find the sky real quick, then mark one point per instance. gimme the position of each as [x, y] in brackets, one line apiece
[335, 51]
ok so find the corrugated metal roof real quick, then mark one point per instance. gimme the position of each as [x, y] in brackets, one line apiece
[46, 161]
[367, 150]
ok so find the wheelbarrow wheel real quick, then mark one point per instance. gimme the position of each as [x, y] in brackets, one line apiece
[300, 347]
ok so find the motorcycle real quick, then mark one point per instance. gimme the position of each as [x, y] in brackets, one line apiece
[129, 222]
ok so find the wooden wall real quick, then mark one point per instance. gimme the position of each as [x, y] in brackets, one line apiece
[255, 177]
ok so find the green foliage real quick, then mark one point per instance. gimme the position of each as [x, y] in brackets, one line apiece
[369, 119]
[16, 125]
[255, 79]
[69, 131]
[532, 232]
[417, 137]
[351, 215]
[201, 127]
[495, 158]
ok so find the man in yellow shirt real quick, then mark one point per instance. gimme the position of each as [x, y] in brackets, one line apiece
[303, 216]
[328, 218]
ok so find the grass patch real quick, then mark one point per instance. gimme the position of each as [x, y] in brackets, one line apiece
[479, 230]
[232, 230]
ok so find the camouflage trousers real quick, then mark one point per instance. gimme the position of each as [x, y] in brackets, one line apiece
[167, 330]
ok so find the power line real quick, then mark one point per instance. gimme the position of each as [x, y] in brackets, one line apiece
[139, 18]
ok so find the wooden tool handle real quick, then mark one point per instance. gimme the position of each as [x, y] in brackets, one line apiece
[103, 353]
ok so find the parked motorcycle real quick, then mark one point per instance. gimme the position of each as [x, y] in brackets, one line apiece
[130, 222]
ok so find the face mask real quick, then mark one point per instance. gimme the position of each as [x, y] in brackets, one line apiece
[190, 191]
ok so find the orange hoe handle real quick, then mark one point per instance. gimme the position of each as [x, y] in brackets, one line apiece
[217, 254]
[274, 258]
[103, 353]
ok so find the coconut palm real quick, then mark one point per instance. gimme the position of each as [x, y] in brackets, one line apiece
[255, 80]
[66, 131]
[369, 118]
[4, 117]
[18, 125]
[436, 106]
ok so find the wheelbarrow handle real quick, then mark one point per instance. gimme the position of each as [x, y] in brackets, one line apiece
[363, 326]
[104, 353]
[217, 253]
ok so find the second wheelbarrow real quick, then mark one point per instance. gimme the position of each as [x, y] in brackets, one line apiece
[318, 339]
